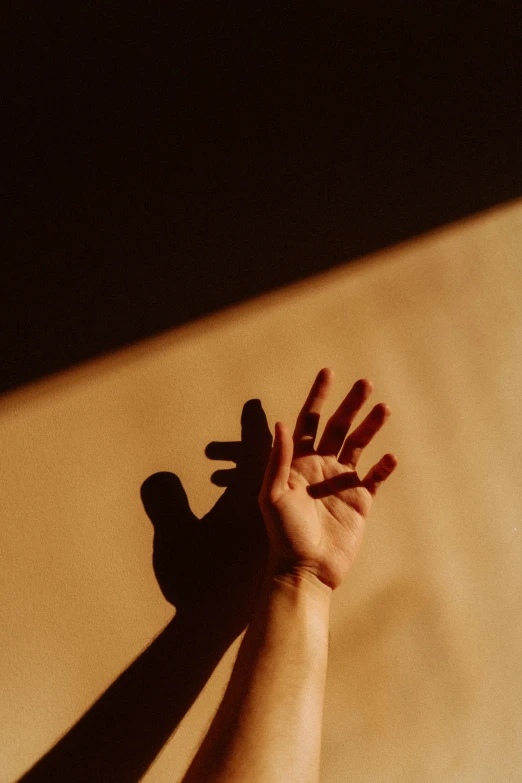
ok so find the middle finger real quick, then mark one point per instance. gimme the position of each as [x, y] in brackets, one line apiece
[340, 422]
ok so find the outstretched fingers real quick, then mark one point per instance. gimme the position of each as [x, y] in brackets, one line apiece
[340, 422]
[308, 419]
[363, 434]
[379, 473]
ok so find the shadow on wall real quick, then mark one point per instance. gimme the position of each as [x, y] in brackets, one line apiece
[210, 570]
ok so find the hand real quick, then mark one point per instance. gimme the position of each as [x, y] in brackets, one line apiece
[313, 502]
[210, 569]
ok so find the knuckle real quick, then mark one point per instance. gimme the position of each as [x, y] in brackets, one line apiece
[273, 497]
[267, 497]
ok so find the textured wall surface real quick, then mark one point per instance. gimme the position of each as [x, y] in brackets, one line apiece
[425, 674]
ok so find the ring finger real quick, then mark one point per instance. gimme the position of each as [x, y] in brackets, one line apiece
[363, 434]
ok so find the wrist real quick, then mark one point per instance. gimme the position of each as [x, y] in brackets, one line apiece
[298, 580]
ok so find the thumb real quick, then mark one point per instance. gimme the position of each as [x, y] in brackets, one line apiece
[165, 501]
[278, 468]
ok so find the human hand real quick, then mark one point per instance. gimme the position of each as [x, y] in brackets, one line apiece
[210, 569]
[313, 502]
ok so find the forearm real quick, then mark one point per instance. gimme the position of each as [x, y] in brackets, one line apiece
[268, 726]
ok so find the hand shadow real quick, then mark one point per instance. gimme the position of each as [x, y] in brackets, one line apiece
[210, 570]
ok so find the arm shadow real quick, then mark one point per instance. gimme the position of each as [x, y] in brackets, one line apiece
[210, 570]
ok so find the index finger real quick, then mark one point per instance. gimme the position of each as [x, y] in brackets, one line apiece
[308, 420]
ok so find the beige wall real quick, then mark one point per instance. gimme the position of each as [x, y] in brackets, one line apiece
[425, 676]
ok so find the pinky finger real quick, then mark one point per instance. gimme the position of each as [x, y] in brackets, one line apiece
[380, 473]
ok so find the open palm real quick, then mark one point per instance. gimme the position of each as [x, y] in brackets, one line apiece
[313, 501]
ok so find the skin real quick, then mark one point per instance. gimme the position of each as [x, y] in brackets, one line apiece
[222, 573]
[313, 502]
[314, 505]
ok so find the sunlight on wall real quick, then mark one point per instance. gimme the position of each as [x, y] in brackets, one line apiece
[425, 679]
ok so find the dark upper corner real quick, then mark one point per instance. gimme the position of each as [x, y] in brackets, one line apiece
[166, 163]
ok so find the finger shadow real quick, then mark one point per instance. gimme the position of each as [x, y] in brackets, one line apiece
[200, 563]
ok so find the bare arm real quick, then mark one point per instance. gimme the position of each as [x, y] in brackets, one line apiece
[268, 726]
